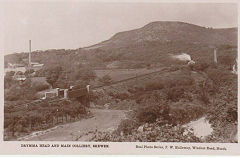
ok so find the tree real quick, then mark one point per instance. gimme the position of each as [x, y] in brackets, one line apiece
[29, 71]
[10, 73]
[52, 78]
[227, 61]
[53, 74]
[8, 79]
[85, 74]
[12, 126]
[19, 73]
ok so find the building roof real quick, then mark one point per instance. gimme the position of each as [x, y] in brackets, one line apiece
[19, 77]
[16, 65]
[37, 65]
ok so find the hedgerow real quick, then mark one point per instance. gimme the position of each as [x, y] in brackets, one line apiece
[20, 120]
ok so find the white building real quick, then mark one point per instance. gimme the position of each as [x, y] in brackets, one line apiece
[19, 77]
[15, 67]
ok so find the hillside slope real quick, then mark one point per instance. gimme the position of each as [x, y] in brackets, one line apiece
[150, 45]
[171, 31]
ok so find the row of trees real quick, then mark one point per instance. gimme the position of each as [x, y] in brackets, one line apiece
[58, 76]
[24, 119]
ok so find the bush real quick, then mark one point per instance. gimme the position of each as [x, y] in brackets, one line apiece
[178, 80]
[40, 87]
[232, 114]
[220, 77]
[175, 93]
[121, 96]
[181, 114]
[203, 89]
[12, 97]
[200, 66]
[10, 73]
[126, 126]
[85, 73]
[28, 72]
[154, 85]
[8, 80]
[227, 60]
[38, 116]
[148, 113]
[80, 85]
[13, 94]
[20, 93]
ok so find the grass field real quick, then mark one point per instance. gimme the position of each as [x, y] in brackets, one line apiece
[121, 74]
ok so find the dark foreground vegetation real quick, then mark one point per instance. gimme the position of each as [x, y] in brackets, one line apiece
[161, 106]
[22, 120]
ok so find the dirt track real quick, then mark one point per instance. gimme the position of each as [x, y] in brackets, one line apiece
[103, 120]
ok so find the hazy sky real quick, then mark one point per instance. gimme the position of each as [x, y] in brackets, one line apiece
[75, 24]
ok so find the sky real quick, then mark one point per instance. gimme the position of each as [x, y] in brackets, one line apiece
[74, 24]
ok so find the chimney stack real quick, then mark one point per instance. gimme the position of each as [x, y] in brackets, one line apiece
[29, 58]
[215, 55]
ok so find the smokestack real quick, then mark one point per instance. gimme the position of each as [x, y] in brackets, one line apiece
[215, 55]
[29, 58]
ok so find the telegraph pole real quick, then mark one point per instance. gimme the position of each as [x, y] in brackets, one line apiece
[215, 55]
[29, 58]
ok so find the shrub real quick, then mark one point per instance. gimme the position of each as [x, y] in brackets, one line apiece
[38, 116]
[28, 72]
[7, 121]
[13, 94]
[17, 93]
[203, 92]
[232, 114]
[80, 85]
[183, 113]
[220, 77]
[121, 96]
[178, 80]
[126, 126]
[154, 85]
[10, 73]
[11, 97]
[93, 96]
[44, 104]
[85, 73]
[148, 113]
[40, 87]
[200, 66]
[8, 80]
[175, 93]
[227, 60]
[40, 73]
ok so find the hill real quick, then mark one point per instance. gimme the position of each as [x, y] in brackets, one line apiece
[150, 45]
[161, 31]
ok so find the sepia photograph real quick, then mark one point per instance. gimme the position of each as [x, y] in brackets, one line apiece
[91, 71]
